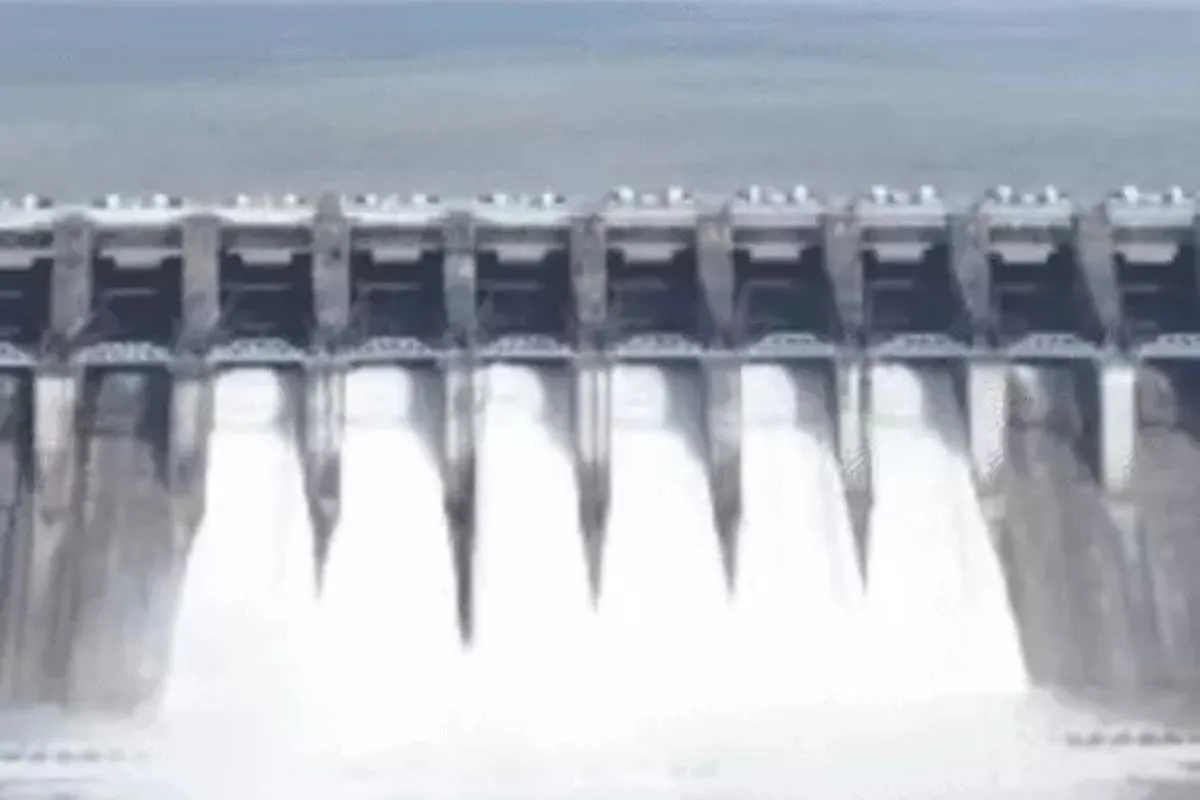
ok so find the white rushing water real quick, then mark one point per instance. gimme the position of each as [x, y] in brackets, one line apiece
[242, 646]
[799, 580]
[664, 610]
[533, 659]
[936, 591]
[388, 622]
[669, 670]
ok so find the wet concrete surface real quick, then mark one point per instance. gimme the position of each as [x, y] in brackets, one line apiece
[124, 553]
[1168, 492]
[1107, 615]
[15, 444]
[1067, 577]
[1170, 506]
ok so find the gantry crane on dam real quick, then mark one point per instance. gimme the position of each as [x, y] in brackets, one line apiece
[118, 298]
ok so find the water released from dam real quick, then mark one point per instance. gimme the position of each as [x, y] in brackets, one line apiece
[247, 608]
[387, 613]
[667, 658]
[939, 614]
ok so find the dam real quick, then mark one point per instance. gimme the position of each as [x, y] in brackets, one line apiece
[962, 429]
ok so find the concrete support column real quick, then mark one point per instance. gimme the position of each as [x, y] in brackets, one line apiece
[331, 279]
[841, 242]
[459, 270]
[322, 435]
[722, 380]
[1092, 239]
[192, 400]
[723, 442]
[1116, 461]
[987, 433]
[1118, 427]
[44, 638]
[593, 459]
[1118, 450]
[71, 282]
[851, 377]
[459, 435]
[191, 426]
[593, 388]
[201, 289]
[458, 440]
[968, 233]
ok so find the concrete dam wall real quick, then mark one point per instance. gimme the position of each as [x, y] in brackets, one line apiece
[1068, 333]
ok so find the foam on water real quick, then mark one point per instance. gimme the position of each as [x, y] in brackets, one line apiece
[798, 578]
[939, 608]
[388, 628]
[664, 611]
[242, 636]
[533, 617]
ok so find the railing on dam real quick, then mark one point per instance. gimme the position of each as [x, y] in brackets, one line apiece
[704, 283]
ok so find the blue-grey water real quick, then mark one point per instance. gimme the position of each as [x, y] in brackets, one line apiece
[469, 97]
[463, 97]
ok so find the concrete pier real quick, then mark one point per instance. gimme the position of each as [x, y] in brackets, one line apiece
[322, 433]
[43, 640]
